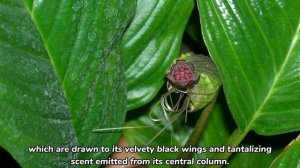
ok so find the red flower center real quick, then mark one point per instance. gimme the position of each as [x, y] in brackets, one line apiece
[182, 75]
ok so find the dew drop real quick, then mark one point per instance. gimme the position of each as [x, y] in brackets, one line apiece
[33, 44]
[92, 36]
[98, 53]
[108, 12]
[85, 3]
[78, 5]
[46, 93]
[83, 58]
[37, 3]
[74, 17]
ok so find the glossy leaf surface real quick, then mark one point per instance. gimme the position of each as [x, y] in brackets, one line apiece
[255, 45]
[289, 157]
[150, 44]
[82, 39]
[246, 160]
[33, 108]
[57, 69]
[219, 127]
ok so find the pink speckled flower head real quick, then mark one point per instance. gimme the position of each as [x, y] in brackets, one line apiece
[182, 75]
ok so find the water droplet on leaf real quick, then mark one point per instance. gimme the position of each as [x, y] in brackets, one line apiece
[92, 36]
[78, 5]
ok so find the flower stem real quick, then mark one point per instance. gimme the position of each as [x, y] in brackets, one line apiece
[198, 131]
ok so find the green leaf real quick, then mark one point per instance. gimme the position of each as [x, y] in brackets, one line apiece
[82, 40]
[273, 144]
[33, 109]
[255, 45]
[66, 76]
[246, 160]
[150, 44]
[218, 130]
[290, 156]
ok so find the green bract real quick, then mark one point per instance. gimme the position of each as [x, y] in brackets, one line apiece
[209, 81]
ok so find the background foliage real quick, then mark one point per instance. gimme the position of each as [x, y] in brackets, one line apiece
[65, 67]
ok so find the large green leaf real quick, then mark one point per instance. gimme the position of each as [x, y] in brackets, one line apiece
[247, 160]
[273, 144]
[33, 109]
[82, 40]
[150, 44]
[290, 156]
[218, 130]
[255, 45]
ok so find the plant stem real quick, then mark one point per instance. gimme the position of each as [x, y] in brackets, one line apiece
[198, 131]
[234, 140]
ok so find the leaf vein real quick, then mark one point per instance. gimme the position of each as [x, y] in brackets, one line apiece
[235, 56]
[277, 76]
[263, 34]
